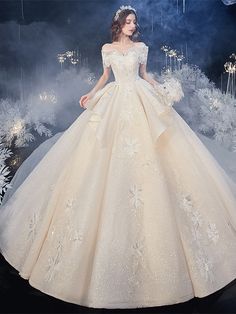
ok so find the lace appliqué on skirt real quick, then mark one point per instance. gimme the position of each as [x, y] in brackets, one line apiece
[200, 231]
[65, 232]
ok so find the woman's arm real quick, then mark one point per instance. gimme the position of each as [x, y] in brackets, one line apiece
[99, 85]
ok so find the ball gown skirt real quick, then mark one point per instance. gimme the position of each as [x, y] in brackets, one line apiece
[127, 209]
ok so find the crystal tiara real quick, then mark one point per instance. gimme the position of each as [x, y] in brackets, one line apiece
[123, 7]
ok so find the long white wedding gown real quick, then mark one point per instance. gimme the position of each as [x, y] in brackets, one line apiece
[128, 208]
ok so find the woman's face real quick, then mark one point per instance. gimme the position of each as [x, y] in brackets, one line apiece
[130, 25]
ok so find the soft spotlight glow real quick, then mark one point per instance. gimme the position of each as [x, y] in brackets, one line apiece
[175, 58]
[48, 97]
[17, 127]
[230, 68]
[15, 161]
[71, 56]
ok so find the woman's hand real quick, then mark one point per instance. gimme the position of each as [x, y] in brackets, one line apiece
[99, 85]
[84, 99]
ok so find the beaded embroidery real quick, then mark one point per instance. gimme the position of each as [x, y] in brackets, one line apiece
[197, 227]
[131, 146]
[32, 227]
[68, 232]
[140, 50]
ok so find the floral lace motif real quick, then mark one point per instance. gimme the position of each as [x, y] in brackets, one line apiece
[67, 231]
[198, 226]
[138, 245]
[212, 232]
[131, 146]
[143, 55]
[135, 197]
[141, 50]
[54, 262]
[130, 149]
[33, 221]
[137, 249]
[105, 59]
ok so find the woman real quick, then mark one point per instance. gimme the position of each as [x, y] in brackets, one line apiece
[135, 212]
[124, 31]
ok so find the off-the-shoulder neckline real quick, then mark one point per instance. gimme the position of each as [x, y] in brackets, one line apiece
[127, 50]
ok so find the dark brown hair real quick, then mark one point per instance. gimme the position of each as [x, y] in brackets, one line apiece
[117, 25]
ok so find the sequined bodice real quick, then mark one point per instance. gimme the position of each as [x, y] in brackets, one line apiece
[125, 66]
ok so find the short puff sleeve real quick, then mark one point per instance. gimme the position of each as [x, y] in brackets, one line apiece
[143, 54]
[105, 58]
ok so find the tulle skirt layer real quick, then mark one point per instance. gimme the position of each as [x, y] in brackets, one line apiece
[127, 209]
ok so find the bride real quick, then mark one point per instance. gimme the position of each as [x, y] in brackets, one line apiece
[128, 208]
[124, 31]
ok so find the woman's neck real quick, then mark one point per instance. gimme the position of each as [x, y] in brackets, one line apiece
[124, 40]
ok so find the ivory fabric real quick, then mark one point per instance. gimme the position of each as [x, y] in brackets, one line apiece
[128, 208]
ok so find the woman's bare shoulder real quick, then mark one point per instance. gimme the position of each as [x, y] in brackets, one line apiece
[140, 44]
[106, 47]
[109, 46]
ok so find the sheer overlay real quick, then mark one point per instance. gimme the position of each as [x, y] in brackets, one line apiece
[128, 208]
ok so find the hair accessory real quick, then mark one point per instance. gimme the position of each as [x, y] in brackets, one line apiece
[123, 7]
